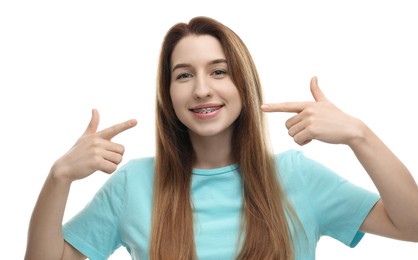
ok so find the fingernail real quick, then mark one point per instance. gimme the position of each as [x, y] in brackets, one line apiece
[133, 122]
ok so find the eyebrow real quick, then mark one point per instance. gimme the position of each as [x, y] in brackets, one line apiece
[187, 65]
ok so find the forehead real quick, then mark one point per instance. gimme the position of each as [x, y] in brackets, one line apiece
[194, 48]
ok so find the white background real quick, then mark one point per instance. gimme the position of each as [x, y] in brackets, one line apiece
[60, 59]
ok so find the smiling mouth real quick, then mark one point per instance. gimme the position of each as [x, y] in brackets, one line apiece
[206, 110]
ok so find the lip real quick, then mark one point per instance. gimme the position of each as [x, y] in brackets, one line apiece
[209, 105]
[206, 116]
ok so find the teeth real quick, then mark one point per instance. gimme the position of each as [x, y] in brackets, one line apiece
[205, 110]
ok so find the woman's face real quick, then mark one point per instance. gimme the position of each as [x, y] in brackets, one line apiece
[204, 98]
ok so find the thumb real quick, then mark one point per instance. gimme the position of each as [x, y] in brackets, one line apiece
[94, 122]
[316, 91]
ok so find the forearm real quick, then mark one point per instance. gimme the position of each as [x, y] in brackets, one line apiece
[397, 188]
[45, 238]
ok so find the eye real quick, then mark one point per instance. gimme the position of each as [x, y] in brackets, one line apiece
[219, 73]
[184, 76]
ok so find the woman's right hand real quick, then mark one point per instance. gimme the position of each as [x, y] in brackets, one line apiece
[93, 151]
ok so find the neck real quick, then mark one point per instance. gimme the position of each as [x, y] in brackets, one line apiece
[212, 151]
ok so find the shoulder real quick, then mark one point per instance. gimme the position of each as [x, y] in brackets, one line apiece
[288, 158]
[135, 169]
[291, 162]
[295, 168]
[295, 161]
[290, 166]
[145, 164]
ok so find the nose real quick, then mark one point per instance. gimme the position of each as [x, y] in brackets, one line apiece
[202, 88]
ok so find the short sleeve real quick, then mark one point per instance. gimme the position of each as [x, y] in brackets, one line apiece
[94, 231]
[339, 207]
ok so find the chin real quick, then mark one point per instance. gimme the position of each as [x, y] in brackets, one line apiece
[207, 133]
[210, 132]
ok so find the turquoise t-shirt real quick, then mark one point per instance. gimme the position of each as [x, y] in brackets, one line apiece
[120, 212]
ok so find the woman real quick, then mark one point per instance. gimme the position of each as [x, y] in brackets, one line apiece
[214, 190]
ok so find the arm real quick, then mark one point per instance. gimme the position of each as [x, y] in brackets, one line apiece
[92, 152]
[396, 215]
[45, 239]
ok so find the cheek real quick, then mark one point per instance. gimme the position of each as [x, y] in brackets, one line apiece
[174, 95]
[237, 103]
[235, 97]
[180, 94]
[238, 107]
[178, 101]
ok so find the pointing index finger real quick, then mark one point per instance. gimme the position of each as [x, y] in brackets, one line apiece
[114, 130]
[295, 107]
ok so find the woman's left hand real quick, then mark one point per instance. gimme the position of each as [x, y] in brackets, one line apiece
[319, 119]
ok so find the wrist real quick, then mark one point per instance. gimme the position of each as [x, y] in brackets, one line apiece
[360, 135]
[59, 174]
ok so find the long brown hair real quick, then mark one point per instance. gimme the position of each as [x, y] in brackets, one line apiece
[265, 228]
